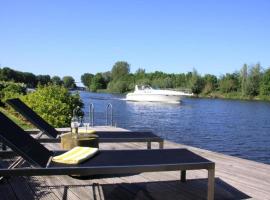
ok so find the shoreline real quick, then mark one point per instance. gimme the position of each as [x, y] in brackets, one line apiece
[228, 96]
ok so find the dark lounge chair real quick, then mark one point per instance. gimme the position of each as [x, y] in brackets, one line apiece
[106, 162]
[104, 136]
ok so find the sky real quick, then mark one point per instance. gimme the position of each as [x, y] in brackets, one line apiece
[74, 37]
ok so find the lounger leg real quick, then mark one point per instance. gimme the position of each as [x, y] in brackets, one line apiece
[211, 184]
[183, 176]
[161, 145]
[148, 145]
[3, 145]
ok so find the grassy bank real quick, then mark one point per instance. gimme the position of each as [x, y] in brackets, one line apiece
[233, 95]
[18, 120]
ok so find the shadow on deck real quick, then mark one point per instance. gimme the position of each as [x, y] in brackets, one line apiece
[192, 189]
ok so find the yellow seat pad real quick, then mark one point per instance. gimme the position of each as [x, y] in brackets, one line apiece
[76, 155]
[86, 131]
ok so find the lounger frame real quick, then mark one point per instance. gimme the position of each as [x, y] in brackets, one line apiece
[53, 134]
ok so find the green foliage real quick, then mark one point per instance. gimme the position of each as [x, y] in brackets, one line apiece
[7, 74]
[229, 83]
[210, 83]
[120, 69]
[196, 82]
[122, 85]
[265, 84]
[247, 83]
[11, 90]
[253, 81]
[97, 82]
[53, 103]
[86, 79]
[119, 86]
[56, 80]
[107, 76]
[69, 82]
[43, 79]
[243, 79]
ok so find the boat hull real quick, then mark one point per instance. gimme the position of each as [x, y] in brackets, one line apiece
[153, 98]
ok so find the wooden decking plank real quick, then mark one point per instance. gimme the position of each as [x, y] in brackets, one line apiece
[21, 188]
[40, 189]
[236, 178]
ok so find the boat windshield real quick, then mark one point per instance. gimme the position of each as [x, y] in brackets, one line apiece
[143, 87]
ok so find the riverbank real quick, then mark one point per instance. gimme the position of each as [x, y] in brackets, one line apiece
[234, 96]
[212, 95]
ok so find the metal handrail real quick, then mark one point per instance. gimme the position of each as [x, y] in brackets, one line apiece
[109, 108]
[91, 114]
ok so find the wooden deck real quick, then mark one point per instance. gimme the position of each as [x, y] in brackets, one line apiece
[235, 179]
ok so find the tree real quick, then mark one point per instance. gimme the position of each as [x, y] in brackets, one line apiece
[265, 83]
[69, 82]
[244, 77]
[253, 81]
[43, 79]
[197, 83]
[120, 68]
[56, 80]
[86, 79]
[229, 83]
[210, 83]
[97, 83]
[29, 79]
[107, 76]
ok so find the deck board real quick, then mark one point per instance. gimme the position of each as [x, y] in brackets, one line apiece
[236, 178]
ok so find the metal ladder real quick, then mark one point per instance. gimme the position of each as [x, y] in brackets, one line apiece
[109, 115]
[91, 114]
[109, 108]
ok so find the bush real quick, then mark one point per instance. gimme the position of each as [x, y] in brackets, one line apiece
[10, 90]
[54, 103]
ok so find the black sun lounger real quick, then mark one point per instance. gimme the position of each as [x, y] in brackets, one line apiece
[106, 162]
[114, 136]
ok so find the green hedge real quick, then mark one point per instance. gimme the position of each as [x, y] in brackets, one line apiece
[11, 90]
[53, 103]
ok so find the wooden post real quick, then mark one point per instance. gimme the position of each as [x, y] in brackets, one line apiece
[211, 184]
[183, 176]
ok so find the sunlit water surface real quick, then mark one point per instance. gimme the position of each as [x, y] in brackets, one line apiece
[238, 128]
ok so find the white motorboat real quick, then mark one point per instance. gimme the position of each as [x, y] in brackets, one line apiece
[146, 93]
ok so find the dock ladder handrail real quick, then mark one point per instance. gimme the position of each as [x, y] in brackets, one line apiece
[109, 108]
[91, 114]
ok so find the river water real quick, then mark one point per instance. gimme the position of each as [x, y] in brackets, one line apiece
[233, 127]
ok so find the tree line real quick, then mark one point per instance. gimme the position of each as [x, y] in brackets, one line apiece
[32, 81]
[248, 82]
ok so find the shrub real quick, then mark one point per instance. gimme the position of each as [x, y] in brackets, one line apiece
[54, 103]
[11, 90]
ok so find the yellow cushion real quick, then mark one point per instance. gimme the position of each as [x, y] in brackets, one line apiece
[86, 131]
[76, 155]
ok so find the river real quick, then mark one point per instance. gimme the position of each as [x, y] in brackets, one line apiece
[233, 127]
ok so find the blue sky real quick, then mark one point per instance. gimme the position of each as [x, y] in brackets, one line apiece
[73, 37]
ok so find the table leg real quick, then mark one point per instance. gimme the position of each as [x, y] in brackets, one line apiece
[183, 176]
[148, 145]
[211, 184]
[161, 145]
